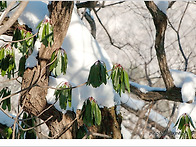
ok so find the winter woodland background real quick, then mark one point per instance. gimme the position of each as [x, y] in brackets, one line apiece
[127, 34]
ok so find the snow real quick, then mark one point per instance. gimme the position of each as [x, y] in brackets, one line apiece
[33, 14]
[81, 56]
[162, 5]
[6, 120]
[132, 103]
[186, 81]
[82, 52]
[125, 133]
[31, 60]
[146, 89]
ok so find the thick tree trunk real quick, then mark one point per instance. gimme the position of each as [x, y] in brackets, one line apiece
[33, 100]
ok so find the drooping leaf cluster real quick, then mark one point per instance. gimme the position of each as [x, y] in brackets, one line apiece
[64, 95]
[59, 65]
[120, 79]
[3, 5]
[27, 44]
[5, 103]
[184, 122]
[91, 114]
[45, 32]
[97, 74]
[7, 61]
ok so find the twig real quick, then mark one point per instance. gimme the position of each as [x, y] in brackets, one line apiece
[7, 11]
[169, 123]
[178, 37]
[36, 125]
[14, 17]
[152, 104]
[14, 41]
[16, 119]
[110, 38]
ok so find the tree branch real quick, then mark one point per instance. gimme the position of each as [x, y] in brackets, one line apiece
[160, 22]
[7, 11]
[13, 18]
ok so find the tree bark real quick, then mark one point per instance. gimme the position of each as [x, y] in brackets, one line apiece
[33, 100]
[160, 22]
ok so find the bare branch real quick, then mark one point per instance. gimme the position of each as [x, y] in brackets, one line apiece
[13, 18]
[7, 11]
[178, 38]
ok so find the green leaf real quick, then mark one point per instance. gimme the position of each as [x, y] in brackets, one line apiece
[181, 123]
[126, 81]
[97, 74]
[2, 53]
[188, 131]
[191, 122]
[9, 132]
[186, 119]
[59, 64]
[54, 64]
[29, 42]
[97, 115]
[3, 5]
[183, 132]
[43, 32]
[64, 63]
[82, 131]
[62, 101]
[39, 25]
[103, 72]
[21, 68]
[69, 97]
[4, 105]
[122, 81]
[87, 117]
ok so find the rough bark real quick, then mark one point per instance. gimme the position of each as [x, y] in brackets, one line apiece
[160, 22]
[34, 100]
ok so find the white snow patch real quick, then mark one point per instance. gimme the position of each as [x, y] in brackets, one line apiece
[146, 89]
[31, 60]
[162, 5]
[6, 120]
[33, 14]
[132, 103]
[125, 133]
[186, 81]
[83, 51]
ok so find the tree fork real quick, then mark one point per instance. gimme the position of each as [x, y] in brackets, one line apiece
[35, 101]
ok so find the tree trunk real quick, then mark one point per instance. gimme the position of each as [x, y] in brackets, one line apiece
[160, 22]
[33, 100]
